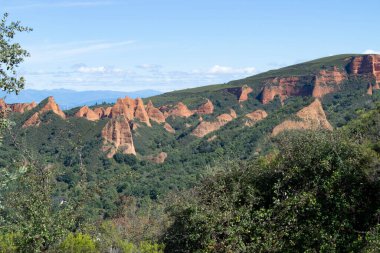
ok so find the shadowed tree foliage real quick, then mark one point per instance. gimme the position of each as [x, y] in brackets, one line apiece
[315, 194]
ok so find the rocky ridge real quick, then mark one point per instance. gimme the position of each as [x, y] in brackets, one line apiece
[312, 117]
[206, 127]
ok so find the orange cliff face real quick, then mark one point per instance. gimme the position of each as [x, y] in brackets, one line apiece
[130, 108]
[206, 108]
[241, 92]
[320, 84]
[366, 65]
[328, 81]
[103, 112]
[154, 113]
[86, 112]
[179, 110]
[312, 117]
[285, 87]
[117, 136]
[51, 105]
[32, 121]
[22, 107]
[255, 117]
[140, 112]
[205, 127]
[158, 159]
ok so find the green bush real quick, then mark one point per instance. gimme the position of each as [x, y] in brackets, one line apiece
[7, 243]
[315, 194]
[77, 243]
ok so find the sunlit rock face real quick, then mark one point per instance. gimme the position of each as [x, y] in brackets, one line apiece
[312, 117]
[206, 127]
[117, 136]
[87, 113]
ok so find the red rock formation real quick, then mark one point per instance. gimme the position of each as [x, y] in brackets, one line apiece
[205, 127]
[117, 136]
[328, 81]
[241, 92]
[366, 65]
[370, 89]
[285, 87]
[159, 159]
[179, 110]
[311, 117]
[86, 112]
[245, 90]
[255, 116]
[51, 105]
[100, 111]
[22, 107]
[206, 108]
[3, 105]
[129, 108]
[169, 128]
[124, 107]
[32, 121]
[140, 112]
[154, 113]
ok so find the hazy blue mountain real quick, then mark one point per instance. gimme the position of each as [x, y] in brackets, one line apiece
[69, 98]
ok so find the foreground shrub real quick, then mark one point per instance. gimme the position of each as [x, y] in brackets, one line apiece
[313, 195]
[78, 243]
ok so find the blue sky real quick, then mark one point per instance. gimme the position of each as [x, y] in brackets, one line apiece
[173, 44]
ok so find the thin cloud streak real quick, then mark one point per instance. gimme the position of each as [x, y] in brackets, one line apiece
[52, 52]
[61, 5]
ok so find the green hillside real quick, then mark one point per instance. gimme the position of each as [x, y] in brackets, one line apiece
[104, 188]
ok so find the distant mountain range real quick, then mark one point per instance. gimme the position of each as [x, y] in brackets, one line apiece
[68, 99]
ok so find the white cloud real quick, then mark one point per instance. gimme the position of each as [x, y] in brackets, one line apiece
[47, 53]
[92, 69]
[217, 69]
[371, 51]
[149, 66]
[94, 47]
[98, 70]
[100, 77]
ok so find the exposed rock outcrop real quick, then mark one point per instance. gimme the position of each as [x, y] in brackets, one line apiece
[241, 92]
[206, 108]
[103, 112]
[131, 109]
[32, 121]
[117, 136]
[169, 128]
[3, 105]
[22, 107]
[51, 105]
[255, 117]
[205, 127]
[324, 82]
[179, 110]
[328, 81]
[154, 113]
[370, 89]
[140, 112]
[86, 112]
[366, 65]
[285, 87]
[158, 159]
[311, 117]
